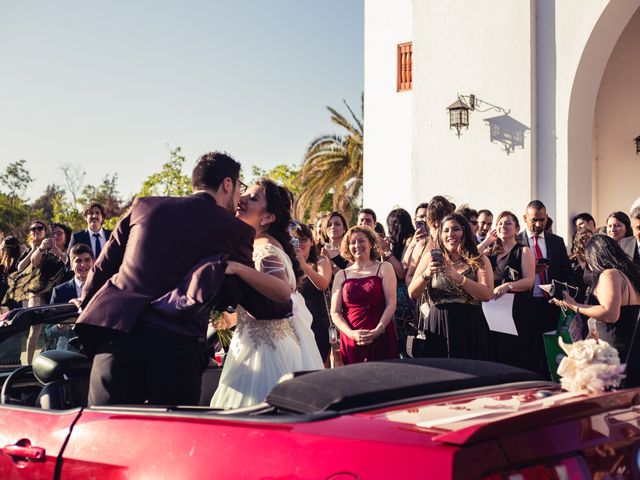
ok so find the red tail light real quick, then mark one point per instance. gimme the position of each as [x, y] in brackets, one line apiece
[567, 469]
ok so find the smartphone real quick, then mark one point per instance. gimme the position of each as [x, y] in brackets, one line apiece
[421, 225]
[437, 256]
[295, 242]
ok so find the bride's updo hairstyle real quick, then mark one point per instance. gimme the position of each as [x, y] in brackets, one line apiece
[279, 203]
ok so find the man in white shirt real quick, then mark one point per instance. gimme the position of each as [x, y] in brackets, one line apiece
[552, 263]
[95, 236]
[57, 336]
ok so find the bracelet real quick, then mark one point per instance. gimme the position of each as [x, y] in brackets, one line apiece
[380, 324]
[425, 277]
[577, 309]
[464, 279]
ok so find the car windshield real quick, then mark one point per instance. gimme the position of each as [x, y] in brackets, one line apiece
[25, 333]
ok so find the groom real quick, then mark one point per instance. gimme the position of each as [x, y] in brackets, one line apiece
[153, 247]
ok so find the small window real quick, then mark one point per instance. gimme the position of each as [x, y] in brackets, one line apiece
[404, 67]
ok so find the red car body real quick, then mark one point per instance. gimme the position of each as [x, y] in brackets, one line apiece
[523, 430]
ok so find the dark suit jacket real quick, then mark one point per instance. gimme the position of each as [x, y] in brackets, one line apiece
[64, 292]
[83, 237]
[630, 246]
[560, 266]
[156, 243]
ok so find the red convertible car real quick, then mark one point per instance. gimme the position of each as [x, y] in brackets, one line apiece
[405, 419]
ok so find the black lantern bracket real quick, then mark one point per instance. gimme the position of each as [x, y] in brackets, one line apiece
[459, 111]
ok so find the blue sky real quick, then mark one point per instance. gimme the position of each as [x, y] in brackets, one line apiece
[112, 85]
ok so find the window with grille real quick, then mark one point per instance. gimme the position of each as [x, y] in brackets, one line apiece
[404, 67]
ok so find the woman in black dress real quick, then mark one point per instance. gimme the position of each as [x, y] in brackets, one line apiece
[333, 229]
[313, 286]
[457, 280]
[401, 231]
[513, 274]
[617, 287]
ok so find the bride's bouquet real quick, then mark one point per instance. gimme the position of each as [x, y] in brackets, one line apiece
[591, 365]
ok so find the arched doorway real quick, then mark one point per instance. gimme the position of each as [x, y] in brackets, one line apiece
[600, 165]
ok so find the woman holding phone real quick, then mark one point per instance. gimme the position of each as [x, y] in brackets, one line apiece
[456, 279]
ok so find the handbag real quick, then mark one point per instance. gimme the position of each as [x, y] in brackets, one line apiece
[335, 359]
[415, 344]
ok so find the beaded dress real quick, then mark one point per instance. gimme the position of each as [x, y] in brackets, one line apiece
[261, 351]
[455, 324]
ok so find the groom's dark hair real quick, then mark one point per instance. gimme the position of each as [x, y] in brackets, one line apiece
[213, 167]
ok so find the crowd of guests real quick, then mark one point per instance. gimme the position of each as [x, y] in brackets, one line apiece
[425, 280]
[413, 288]
[51, 267]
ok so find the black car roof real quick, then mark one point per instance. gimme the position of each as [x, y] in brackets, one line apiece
[371, 383]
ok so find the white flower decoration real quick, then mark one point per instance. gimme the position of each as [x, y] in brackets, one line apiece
[591, 365]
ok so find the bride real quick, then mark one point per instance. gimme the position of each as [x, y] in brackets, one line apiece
[261, 351]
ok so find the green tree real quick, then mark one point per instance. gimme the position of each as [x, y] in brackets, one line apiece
[14, 210]
[285, 175]
[333, 165]
[64, 211]
[43, 206]
[170, 180]
[106, 194]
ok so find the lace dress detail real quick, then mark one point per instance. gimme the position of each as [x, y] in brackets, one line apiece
[261, 351]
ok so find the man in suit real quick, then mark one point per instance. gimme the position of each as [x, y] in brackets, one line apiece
[81, 258]
[631, 245]
[95, 236]
[552, 263]
[138, 355]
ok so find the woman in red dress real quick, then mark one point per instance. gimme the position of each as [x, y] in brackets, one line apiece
[364, 300]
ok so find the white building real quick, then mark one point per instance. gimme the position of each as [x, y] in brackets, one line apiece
[568, 70]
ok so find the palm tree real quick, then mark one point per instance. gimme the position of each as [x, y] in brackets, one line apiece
[333, 165]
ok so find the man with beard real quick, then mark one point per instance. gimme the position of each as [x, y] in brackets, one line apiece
[552, 263]
[137, 354]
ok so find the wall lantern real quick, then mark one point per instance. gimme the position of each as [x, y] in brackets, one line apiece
[459, 111]
[637, 141]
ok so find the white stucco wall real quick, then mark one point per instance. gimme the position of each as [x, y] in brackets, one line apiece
[484, 48]
[586, 33]
[542, 59]
[617, 124]
[387, 112]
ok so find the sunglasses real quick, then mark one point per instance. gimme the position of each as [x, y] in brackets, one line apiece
[36, 228]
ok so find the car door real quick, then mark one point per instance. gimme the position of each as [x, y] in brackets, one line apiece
[121, 443]
[31, 440]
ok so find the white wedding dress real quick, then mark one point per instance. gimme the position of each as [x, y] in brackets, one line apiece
[261, 351]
